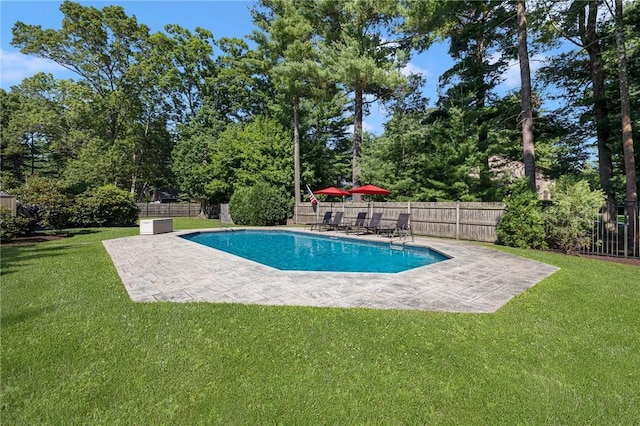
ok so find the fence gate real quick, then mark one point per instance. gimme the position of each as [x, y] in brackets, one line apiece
[616, 232]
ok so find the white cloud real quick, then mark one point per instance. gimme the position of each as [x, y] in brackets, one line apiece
[511, 77]
[412, 68]
[15, 67]
[367, 127]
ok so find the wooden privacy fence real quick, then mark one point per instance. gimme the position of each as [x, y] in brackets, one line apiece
[8, 202]
[168, 209]
[460, 220]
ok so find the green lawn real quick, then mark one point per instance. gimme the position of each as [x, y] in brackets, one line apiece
[76, 350]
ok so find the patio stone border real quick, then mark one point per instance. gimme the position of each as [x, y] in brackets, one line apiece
[168, 268]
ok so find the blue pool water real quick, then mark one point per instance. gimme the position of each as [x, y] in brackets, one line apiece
[295, 251]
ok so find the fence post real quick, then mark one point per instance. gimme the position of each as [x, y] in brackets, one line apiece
[457, 220]
[626, 228]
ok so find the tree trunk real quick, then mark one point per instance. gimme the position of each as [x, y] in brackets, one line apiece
[296, 149]
[32, 152]
[528, 146]
[625, 109]
[591, 42]
[483, 115]
[357, 139]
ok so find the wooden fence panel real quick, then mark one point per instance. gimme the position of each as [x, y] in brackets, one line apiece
[468, 221]
[168, 209]
[9, 202]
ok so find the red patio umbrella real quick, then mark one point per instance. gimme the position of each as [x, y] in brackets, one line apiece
[332, 190]
[369, 190]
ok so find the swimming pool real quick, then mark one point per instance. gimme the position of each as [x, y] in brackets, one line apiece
[296, 251]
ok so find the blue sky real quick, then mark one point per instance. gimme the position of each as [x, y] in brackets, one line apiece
[224, 18]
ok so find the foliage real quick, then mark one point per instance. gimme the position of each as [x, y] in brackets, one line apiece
[13, 226]
[47, 199]
[212, 166]
[570, 217]
[522, 224]
[260, 205]
[76, 350]
[359, 58]
[33, 125]
[105, 206]
[116, 104]
[314, 69]
[437, 160]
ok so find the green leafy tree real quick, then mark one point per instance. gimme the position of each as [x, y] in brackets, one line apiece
[212, 166]
[426, 161]
[35, 122]
[188, 64]
[116, 61]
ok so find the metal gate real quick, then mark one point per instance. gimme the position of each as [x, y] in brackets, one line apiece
[616, 232]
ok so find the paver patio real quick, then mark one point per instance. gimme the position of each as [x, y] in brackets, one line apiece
[168, 268]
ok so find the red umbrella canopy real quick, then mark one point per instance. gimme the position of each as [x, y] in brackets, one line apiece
[336, 192]
[369, 190]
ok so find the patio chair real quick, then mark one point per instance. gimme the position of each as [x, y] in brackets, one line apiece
[333, 224]
[402, 228]
[361, 220]
[325, 220]
[371, 226]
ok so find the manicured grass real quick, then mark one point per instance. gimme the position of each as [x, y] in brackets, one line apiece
[76, 350]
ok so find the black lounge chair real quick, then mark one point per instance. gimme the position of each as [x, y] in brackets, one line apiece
[335, 223]
[402, 228]
[361, 221]
[325, 221]
[372, 226]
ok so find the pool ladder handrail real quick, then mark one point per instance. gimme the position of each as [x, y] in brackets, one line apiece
[402, 235]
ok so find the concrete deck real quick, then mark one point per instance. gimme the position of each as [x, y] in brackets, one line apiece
[168, 268]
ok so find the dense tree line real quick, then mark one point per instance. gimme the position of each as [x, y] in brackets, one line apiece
[180, 108]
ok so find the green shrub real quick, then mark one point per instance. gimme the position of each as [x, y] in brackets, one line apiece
[13, 226]
[47, 199]
[240, 208]
[522, 224]
[570, 217]
[105, 206]
[260, 205]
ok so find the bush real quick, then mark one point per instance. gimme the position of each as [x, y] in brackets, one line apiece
[260, 205]
[105, 206]
[522, 224]
[570, 217]
[13, 226]
[47, 199]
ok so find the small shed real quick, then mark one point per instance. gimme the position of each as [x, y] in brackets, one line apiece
[9, 202]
